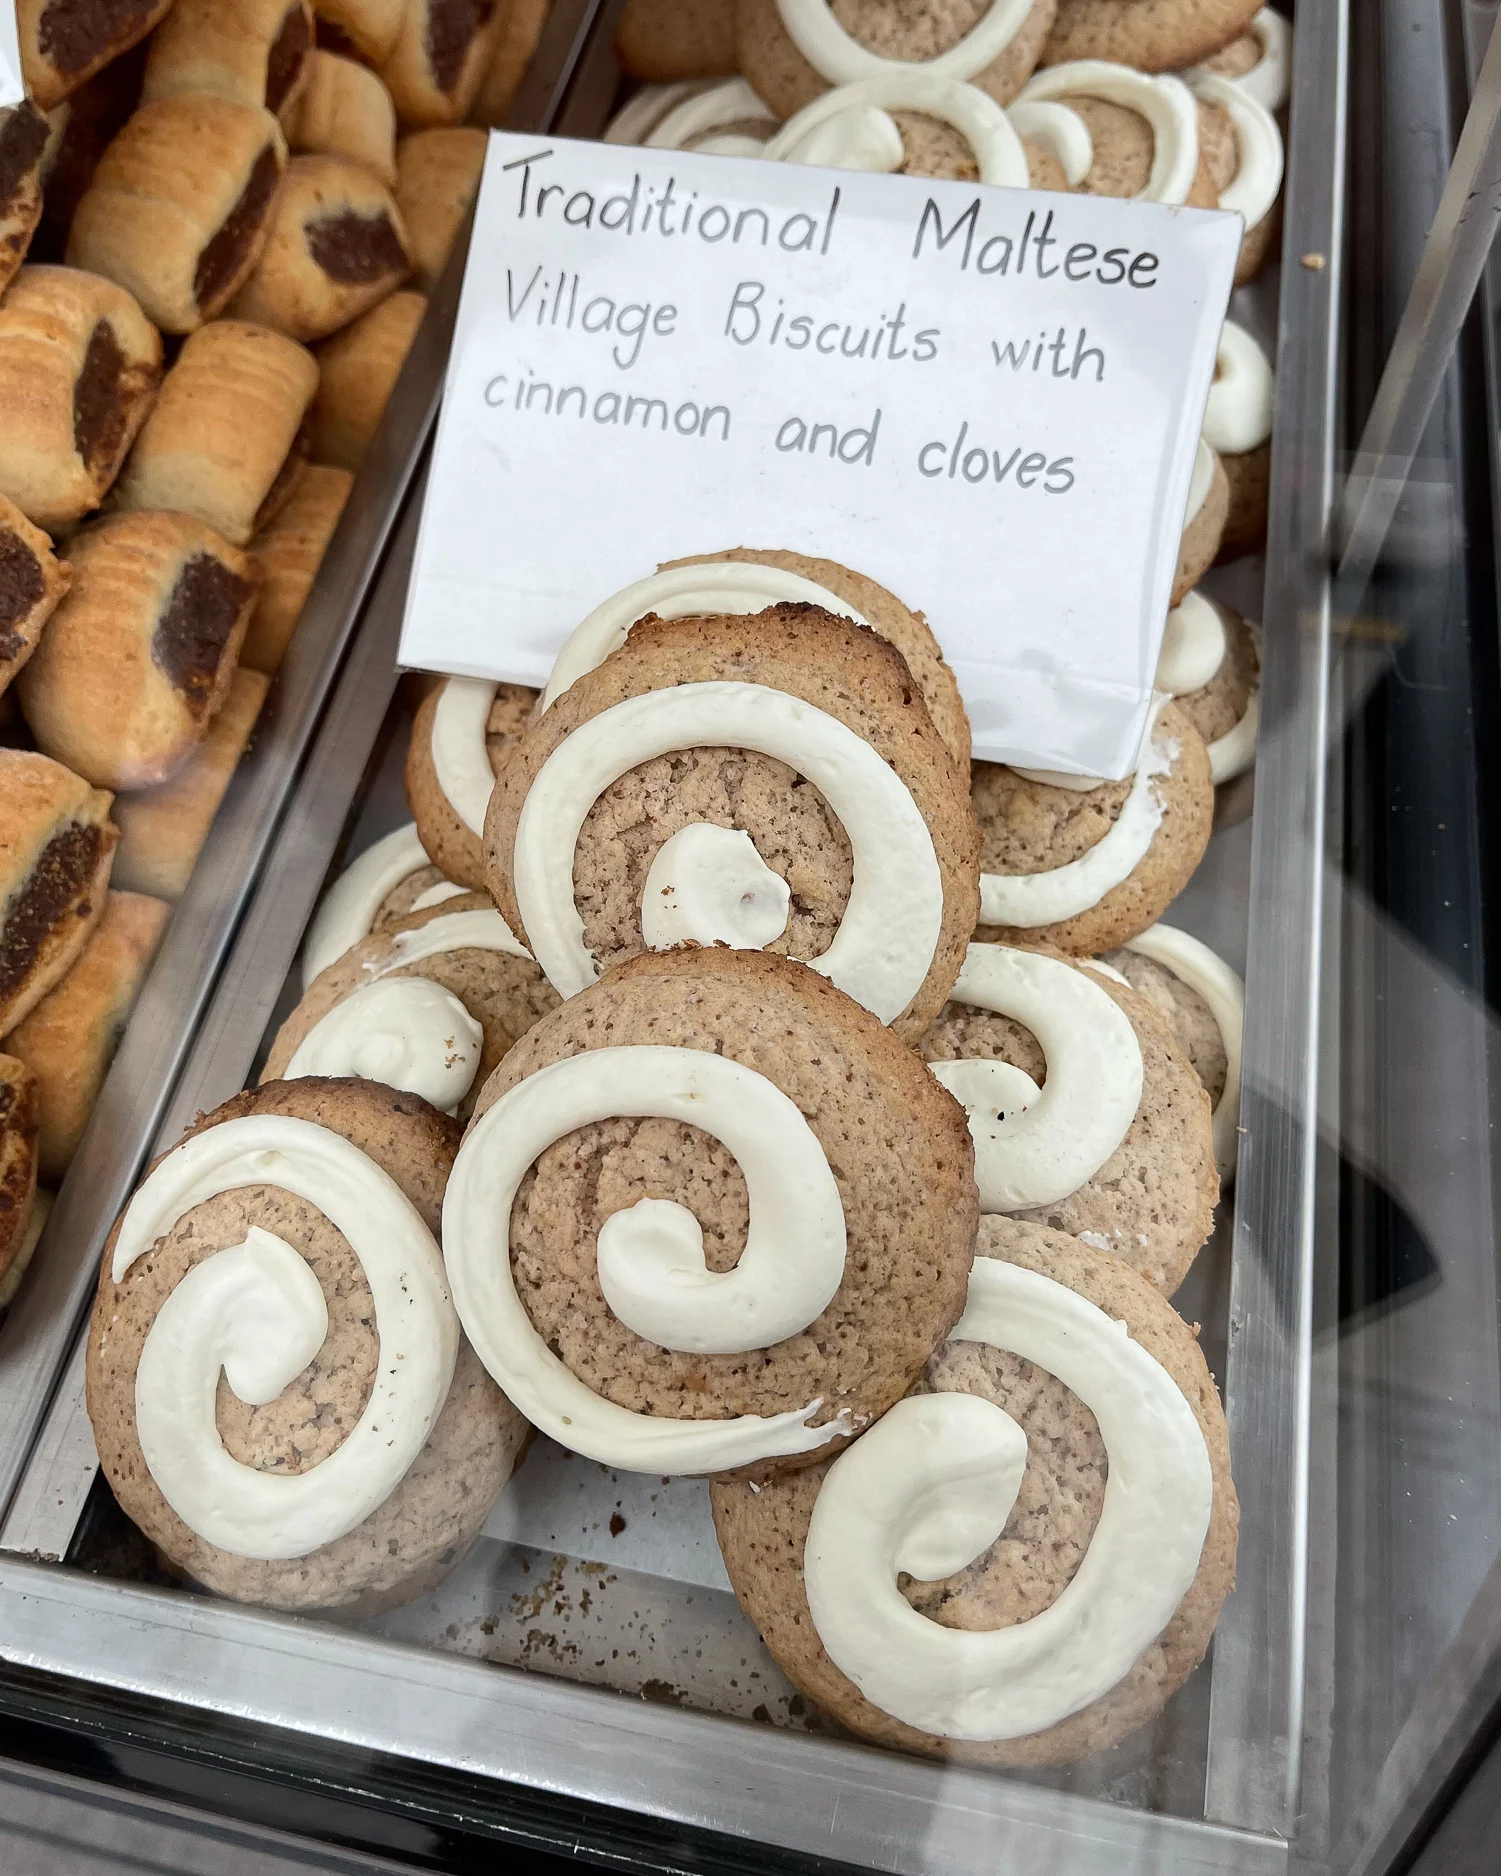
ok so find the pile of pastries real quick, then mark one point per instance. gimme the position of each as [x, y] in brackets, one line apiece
[220, 220]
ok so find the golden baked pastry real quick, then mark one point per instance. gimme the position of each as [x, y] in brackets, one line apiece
[251, 51]
[345, 110]
[441, 55]
[32, 581]
[437, 175]
[287, 555]
[357, 371]
[64, 42]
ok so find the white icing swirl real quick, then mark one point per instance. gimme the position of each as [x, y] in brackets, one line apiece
[1166, 103]
[1238, 416]
[480, 929]
[711, 588]
[1253, 189]
[1068, 1130]
[1200, 482]
[351, 903]
[461, 761]
[887, 938]
[1059, 131]
[436, 894]
[851, 128]
[1234, 752]
[837, 56]
[406, 1032]
[1207, 972]
[640, 114]
[690, 122]
[650, 1258]
[256, 1311]
[1193, 646]
[1033, 899]
[708, 885]
[930, 1487]
[1268, 79]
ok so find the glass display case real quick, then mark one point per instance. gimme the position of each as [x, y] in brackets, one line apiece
[584, 1681]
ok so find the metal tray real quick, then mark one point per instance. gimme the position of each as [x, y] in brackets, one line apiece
[611, 1581]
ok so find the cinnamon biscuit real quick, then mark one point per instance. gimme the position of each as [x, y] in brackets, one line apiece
[794, 50]
[56, 843]
[1243, 148]
[356, 1272]
[1084, 864]
[337, 246]
[1210, 664]
[252, 51]
[1205, 523]
[138, 657]
[1152, 35]
[79, 368]
[357, 372]
[180, 205]
[1238, 425]
[383, 883]
[520, 29]
[69, 1040]
[361, 29]
[19, 1127]
[162, 829]
[435, 69]
[287, 554]
[64, 42]
[451, 830]
[345, 110]
[1001, 1477]
[1138, 138]
[689, 805]
[24, 137]
[228, 435]
[665, 40]
[904, 121]
[32, 581]
[478, 992]
[437, 175]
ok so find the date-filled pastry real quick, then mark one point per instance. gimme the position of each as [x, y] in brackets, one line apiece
[280, 1392]
[227, 437]
[437, 174]
[357, 371]
[64, 42]
[440, 58]
[361, 29]
[1085, 1110]
[180, 204]
[1083, 864]
[138, 657]
[521, 23]
[24, 134]
[337, 247]
[662, 41]
[345, 110]
[162, 829]
[56, 844]
[252, 51]
[32, 581]
[1024, 1559]
[287, 553]
[69, 1040]
[83, 127]
[793, 50]
[18, 1158]
[79, 367]
[31, 1237]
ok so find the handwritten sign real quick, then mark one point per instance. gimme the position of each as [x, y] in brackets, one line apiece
[986, 399]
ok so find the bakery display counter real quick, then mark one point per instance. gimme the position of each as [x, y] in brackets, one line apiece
[601, 1657]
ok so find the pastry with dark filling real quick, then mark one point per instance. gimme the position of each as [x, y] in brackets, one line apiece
[56, 844]
[23, 145]
[227, 435]
[32, 581]
[337, 247]
[83, 127]
[180, 205]
[64, 42]
[138, 657]
[79, 366]
[162, 829]
[441, 56]
[18, 1157]
[357, 372]
[359, 29]
[345, 110]
[287, 555]
[437, 174]
[69, 1040]
[251, 51]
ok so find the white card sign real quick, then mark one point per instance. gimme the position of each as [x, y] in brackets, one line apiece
[986, 399]
[12, 85]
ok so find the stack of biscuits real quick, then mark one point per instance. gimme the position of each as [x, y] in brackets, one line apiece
[220, 220]
[754, 1088]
